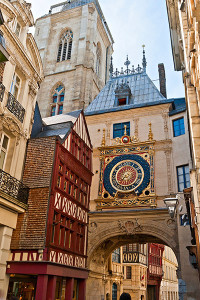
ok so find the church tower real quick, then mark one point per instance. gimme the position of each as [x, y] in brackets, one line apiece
[75, 45]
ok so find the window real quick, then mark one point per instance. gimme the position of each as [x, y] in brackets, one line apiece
[184, 220]
[98, 60]
[57, 101]
[116, 256]
[15, 86]
[65, 46]
[119, 129]
[17, 29]
[114, 291]
[4, 150]
[179, 127]
[183, 176]
[128, 272]
[122, 93]
[121, 101]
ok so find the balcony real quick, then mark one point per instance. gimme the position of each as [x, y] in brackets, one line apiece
[134, 257]
[15, 107]
[2, 91]
[13, 187]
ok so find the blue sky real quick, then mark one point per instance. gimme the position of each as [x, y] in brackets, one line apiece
[132, 24]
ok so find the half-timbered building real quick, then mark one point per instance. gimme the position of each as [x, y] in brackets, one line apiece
[49, 246]
[155, 270]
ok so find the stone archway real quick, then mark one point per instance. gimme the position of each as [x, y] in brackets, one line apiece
[109, 230]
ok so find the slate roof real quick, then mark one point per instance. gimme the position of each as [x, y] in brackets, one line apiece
[143, 90]
[179, 105]
[59, 125]
[77, 3]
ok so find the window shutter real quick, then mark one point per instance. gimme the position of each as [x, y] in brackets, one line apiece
[59, 52]
[64, 51]
[69, 50]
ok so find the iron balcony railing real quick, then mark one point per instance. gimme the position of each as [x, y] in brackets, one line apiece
[13, 187]
[2, 91]
[15, 107]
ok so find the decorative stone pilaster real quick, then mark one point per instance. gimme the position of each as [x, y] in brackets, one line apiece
[166, 129]
[169, 170]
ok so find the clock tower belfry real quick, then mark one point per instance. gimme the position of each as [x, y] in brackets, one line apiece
[75, 46]
[126, 173]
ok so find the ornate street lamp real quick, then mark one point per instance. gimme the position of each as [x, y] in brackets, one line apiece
[171, 204]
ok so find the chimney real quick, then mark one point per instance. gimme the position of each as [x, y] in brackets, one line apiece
[162, 79]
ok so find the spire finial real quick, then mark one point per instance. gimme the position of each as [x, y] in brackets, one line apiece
[103, 143]
[144, 61]
[127, 63]
[111, 66]
[125, 129]
[150, 133]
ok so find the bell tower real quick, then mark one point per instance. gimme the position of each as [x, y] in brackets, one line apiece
[75, 45]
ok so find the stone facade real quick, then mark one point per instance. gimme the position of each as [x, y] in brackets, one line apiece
[20, 79]
[184, 18]
[169, 284]
[116, 221]
[84, 70]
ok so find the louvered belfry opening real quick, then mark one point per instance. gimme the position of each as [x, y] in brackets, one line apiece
[65, 46]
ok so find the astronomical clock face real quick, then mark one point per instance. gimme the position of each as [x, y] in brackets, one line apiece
[126, 174]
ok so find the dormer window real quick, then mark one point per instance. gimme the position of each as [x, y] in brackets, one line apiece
[122, 94]
[121, 101]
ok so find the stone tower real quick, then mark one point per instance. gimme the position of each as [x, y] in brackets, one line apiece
[75, 45]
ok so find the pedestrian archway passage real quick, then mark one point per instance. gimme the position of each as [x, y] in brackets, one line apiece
[109, 230]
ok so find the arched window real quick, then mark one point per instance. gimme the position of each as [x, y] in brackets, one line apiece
[98, 60]
[114, 291]
[57, 101]
[65, 46]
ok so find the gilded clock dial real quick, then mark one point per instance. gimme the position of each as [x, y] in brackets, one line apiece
[126, 175]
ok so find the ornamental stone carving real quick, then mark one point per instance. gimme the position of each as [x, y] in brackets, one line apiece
[130, 226]
[92, 227]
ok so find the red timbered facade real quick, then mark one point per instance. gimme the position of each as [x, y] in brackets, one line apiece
[50, 262]
[154, 272]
